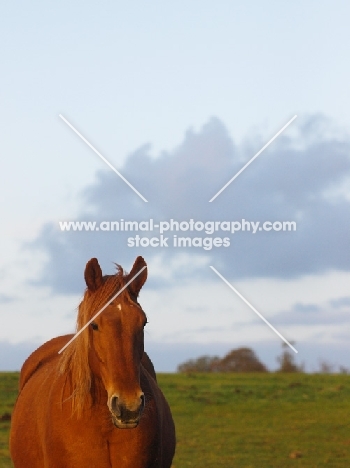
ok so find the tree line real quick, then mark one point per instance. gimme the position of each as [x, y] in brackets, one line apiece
[245, 360]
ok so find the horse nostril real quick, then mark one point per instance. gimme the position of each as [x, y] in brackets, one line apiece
[142, 398]
[115, 406]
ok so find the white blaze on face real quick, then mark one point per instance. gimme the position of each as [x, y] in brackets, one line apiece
[119, 307]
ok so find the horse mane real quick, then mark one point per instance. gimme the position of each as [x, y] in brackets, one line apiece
[74, 362]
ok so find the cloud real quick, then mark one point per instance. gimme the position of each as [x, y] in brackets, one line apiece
[340, 302]
[5, 298]
[334, 311]
[296, 179]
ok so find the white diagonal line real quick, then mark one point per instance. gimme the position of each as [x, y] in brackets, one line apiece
[103, 159]
[101, 310]
[254, 157]
[253, 309]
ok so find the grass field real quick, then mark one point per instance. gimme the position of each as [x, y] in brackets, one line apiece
[8, 394]
[244, 420]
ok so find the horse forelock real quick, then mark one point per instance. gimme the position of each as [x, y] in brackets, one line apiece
[94, 301]
[75, 358]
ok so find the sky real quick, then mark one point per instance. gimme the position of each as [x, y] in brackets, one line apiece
[179, 98]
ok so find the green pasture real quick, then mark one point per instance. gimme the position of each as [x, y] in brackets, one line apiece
[244, 420]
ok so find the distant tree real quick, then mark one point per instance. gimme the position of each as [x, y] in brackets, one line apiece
[237, 360]
[201, 364]
[326, 367]
[286, 360]
[240, 360]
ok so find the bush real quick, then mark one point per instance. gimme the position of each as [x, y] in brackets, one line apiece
[201, 364]
[286, 361]
[240, 360]
[237, 360]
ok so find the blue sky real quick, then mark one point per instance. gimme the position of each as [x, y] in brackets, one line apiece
[178, 97]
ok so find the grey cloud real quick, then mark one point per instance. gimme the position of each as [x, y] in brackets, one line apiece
[336, 311]
[5, 298]
[289, 181]
[340, 302]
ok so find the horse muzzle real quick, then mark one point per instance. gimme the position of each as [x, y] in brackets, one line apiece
[126, 416]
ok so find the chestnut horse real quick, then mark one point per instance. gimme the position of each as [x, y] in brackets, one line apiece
[97, 404]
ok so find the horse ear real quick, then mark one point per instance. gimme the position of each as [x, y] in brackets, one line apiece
[136, 285]
[93, 275]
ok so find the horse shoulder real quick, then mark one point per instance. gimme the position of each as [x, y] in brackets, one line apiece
[41, 355]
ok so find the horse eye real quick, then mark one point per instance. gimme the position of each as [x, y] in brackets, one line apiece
[94, 326]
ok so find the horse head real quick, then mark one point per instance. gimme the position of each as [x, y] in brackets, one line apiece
[116, 338]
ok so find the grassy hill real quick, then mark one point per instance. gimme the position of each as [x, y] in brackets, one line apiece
[244, 420]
